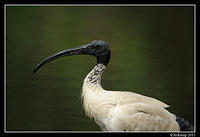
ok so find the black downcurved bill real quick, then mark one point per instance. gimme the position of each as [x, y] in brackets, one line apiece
[69, 52]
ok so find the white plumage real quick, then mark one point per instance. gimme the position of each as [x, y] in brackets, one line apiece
[124, 111]
[119, 110]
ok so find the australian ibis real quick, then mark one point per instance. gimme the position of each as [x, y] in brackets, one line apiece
[119, 110]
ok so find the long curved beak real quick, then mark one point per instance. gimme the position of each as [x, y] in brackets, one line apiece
[69, 52]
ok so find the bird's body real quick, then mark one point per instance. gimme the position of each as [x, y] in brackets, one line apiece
[119, 110]
[124, 111]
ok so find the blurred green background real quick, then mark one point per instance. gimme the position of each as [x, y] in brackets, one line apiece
[152, 54]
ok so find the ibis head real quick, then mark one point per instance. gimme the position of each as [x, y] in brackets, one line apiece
[98, 48]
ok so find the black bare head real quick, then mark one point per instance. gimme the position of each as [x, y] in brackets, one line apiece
[101, 50]
[98, 48]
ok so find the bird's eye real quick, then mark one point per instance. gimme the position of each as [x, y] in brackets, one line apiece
[95, 47]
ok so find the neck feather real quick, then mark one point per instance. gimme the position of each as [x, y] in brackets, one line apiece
[91, 85]
[94, 77]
